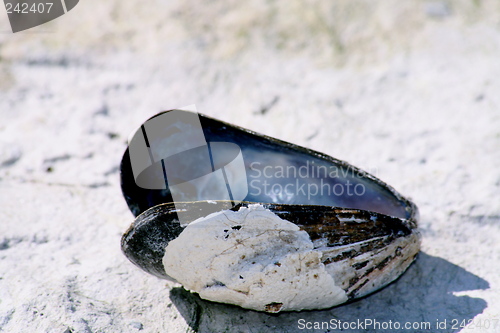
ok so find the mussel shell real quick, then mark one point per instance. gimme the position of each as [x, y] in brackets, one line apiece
[370, 242]
[375, 234]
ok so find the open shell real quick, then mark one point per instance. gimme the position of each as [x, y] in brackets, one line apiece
[366, 241]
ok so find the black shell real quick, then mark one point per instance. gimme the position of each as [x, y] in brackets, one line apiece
[380, 213]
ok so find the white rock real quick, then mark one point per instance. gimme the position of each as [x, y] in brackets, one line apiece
[254, 259]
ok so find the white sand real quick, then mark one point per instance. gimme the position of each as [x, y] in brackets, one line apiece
[409, 92]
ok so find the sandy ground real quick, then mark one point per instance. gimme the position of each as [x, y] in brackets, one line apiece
[407, 91]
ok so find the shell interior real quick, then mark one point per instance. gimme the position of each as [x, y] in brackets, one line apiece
[275, 172]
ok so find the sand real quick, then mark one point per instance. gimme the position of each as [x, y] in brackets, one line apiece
[408, 92]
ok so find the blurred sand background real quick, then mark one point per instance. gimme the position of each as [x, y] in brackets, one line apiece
[407, 90]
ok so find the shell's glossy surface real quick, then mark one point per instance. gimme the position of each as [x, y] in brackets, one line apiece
[370, 238]
[261, 152]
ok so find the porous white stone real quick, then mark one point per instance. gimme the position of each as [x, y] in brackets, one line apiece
[254, 259]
